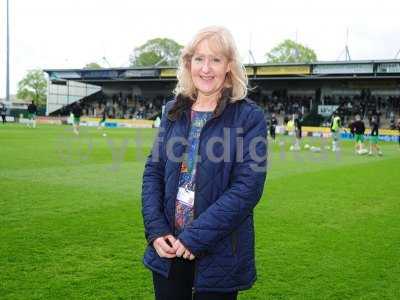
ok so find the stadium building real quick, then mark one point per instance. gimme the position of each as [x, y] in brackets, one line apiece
[365, 87]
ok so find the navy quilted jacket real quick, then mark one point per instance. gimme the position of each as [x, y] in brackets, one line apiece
[227, 190]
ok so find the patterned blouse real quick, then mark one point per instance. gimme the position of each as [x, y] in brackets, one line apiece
[186, 192]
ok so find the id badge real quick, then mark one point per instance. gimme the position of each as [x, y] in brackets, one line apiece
[186, 196]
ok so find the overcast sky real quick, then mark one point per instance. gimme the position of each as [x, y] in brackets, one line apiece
[72, 33]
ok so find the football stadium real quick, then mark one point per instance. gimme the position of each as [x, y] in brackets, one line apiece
[327, 225]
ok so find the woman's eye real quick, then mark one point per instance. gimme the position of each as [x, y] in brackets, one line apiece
[198, 59]
[216, 60]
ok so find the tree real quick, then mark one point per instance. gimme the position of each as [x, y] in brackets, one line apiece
[291, 52]
[92, 65]
[160, 51]
[33, 87]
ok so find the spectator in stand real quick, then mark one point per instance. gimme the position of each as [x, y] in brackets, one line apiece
[392, 120]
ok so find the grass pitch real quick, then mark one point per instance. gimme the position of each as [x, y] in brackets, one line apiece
[327, 226]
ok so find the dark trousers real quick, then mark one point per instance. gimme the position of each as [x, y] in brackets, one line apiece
[272, 132]
[179, 284]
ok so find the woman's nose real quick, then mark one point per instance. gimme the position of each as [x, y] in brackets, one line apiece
[206, 66]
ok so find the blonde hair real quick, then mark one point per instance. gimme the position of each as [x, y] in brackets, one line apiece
[222, 41]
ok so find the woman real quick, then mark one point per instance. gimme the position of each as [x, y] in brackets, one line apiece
[204, 176]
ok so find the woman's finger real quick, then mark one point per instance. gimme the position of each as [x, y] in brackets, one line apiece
[171, 239]
[164, 245]
[160, 251]
[180, 251]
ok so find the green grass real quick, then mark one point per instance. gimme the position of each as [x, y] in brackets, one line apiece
[327, 227]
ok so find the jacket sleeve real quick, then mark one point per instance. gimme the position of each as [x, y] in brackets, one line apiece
[237, 202]
[155, 223]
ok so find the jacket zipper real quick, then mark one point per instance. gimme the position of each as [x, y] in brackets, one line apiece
[176, 189]
[188, 123]
[178, 175]
[195, 193]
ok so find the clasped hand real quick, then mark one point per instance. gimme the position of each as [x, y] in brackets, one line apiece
[168, 246]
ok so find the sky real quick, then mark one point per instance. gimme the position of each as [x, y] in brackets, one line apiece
[50, 34]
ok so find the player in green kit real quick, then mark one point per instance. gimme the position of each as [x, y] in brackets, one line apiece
[358, 129]
[336, 124]
[77, 112]
[32, 110]
[374, 137]
[103, 119]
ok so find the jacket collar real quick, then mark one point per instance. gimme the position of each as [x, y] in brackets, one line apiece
[183, 105]
[222, 103]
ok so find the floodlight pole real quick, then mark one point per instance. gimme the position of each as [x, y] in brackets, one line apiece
[105, 59]
[347, 46]
[252, 60]
[347, 53]
[8, 61]
[251, 56]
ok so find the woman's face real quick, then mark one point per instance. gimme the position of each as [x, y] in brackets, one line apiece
[208, 69]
